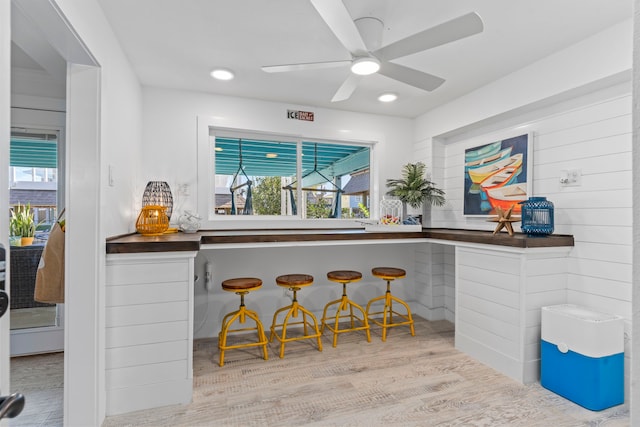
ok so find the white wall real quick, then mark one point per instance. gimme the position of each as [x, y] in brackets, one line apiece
[170, 140]
[121, 115]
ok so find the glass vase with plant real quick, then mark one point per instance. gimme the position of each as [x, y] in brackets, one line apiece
[414, 188]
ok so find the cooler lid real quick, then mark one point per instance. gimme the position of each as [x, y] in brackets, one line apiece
[581, 313]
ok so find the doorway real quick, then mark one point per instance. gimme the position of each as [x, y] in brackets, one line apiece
[83, 346]
[35, 182]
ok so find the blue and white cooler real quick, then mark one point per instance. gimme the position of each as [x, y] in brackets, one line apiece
[582, 355]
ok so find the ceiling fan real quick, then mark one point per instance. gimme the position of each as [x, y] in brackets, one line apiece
[362, 39]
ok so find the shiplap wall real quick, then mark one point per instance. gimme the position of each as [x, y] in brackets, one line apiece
[593, 135]
[449, 258]
[149, 324]
[595, 138]
[500, 294]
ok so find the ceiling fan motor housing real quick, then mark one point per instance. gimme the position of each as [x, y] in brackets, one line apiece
[370, 30]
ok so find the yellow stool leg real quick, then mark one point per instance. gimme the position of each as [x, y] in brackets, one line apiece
[409, 317]
[305, 313]
[365, 321]
[261, 335]
[274, 322]
[388, 312]
[222, 337]
[324, 313]
[241, 314]
[293, 312]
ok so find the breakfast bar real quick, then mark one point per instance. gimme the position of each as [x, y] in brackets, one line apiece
[501, 282]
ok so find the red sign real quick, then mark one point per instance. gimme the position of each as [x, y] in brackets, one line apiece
[300, 115]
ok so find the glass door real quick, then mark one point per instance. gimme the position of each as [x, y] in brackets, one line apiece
[33, 197]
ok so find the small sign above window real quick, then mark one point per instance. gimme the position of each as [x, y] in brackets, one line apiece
[300, 115]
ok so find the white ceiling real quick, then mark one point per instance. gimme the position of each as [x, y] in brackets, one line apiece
[176, 43]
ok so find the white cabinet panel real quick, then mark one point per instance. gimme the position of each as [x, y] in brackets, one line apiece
[149, 330]
[149, 313]
[147, 293]
[124, 336]
[138, 355]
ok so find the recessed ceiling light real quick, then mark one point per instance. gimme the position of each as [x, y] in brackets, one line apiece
[222, 74]
[219, 149]
[271, 155]
[365, 66]
[387, 97]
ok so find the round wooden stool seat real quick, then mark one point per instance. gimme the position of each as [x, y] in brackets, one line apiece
[388, 273]
[344, 276]
[294, 280]
[241, 284]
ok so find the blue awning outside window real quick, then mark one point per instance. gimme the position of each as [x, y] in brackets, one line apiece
[33, 153]
[275, 158]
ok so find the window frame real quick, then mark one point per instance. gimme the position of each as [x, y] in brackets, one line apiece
[207, 133]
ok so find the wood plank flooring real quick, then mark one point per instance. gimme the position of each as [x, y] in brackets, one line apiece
[407, 381]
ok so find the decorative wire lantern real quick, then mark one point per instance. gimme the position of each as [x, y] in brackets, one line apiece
[152, 220]
[537, 217]
[158, 193]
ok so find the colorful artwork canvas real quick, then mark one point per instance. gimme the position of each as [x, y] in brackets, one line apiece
[497, 174]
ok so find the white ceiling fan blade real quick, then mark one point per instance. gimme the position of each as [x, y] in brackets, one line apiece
[458, 28]
[340, 22]
[410, 76]
[304, 66]
[347, 88]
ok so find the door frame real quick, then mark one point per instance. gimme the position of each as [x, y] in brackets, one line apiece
[84, 384]
[5, 135]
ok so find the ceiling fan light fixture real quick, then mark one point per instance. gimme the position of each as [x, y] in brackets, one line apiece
[387, 97]
[222, 74]
[365, 66]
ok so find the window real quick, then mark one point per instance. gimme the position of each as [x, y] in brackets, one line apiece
[279, 176]
[33, 175]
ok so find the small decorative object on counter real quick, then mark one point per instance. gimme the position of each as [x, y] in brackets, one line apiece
[158, 193]
[189, 222]
[152, 221]
[537, 217]
[504, 220]
[391, 218]
[390, 212]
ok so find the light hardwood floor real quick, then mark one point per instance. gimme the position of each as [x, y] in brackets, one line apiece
[406, 381]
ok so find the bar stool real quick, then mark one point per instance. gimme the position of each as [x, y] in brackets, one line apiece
[344, 304]
[294, 282]
[389, 274]
[241, 286]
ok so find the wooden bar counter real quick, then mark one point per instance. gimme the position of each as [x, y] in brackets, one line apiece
[133, 243]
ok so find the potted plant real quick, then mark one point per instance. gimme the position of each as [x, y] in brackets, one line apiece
[414, 188]
[22, 223]
[14, 231]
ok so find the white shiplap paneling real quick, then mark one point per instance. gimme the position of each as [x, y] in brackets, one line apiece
[594, 135]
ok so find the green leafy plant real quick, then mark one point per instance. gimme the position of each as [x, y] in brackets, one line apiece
[22, 222]
[364, 210]
[414, 188]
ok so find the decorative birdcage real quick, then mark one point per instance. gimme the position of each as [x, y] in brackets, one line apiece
[537, 216]
[152, 220]
[390, 212]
